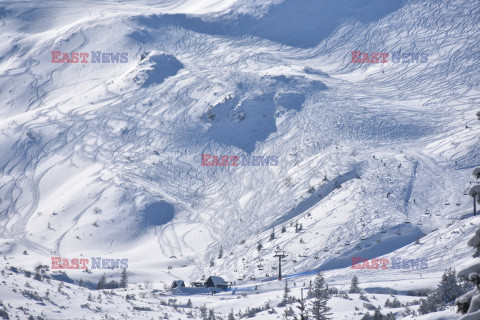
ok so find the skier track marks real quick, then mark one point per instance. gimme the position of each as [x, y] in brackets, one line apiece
[17, 231]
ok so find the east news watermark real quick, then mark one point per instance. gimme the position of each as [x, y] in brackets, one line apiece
[394, 263]
[93, 263]
[92, 57]
[384, 57]
[209, 160]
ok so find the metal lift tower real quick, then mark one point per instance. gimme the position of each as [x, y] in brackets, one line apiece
[280, 254]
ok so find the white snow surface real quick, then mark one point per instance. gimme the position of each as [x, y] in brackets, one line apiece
[104, 160]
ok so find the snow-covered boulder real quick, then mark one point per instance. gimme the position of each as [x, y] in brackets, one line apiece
[476, 172]
[474, 241]
[464, 273]
[474, 191]
[471, 316]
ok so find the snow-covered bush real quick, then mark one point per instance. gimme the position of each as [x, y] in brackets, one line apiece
[476, 173]
[474, 192]
[393, 304]
[469, 303]
[378, 316]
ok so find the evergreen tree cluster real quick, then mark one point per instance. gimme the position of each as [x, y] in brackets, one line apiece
[444, 295]
[4, 314]
[207, 314]
[102, 283]
[377, 315]
[313, 309]
[252, 312]
[393, 304]
[298, 227]
[287, 299]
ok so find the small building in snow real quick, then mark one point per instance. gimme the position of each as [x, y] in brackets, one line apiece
[197, 284]
[216, 282]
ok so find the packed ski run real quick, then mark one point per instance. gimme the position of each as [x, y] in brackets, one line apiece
[186, 144]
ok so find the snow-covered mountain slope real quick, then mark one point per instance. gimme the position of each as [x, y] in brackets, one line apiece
[53, 299]
[24, 297]
[105, 159]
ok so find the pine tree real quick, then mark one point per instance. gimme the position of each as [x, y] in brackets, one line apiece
[259, 246]
[288, 313]
[310, 290]
[102, 283]
[189, 303]
[203, 312]
[363, 297]
[285, 300]
[231, 316]
[449, 289]
[40, 272]
[302, 307]
[211, 315]
[431, 304]
[366, 316]
[354, 288]
[112, 285]
[286, 291]
[284, 229]
[124, 279]
[377, 315]
[388, 304]
[320, 298]
[38, 276]
[4, 314]
[272, 235]
[220, 254]
[396, 303]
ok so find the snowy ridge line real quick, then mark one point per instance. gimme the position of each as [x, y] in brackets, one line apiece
[88, 148]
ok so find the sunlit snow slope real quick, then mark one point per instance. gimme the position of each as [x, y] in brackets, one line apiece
[105, 159]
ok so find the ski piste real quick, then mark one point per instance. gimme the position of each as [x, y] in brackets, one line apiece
[176, 158]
